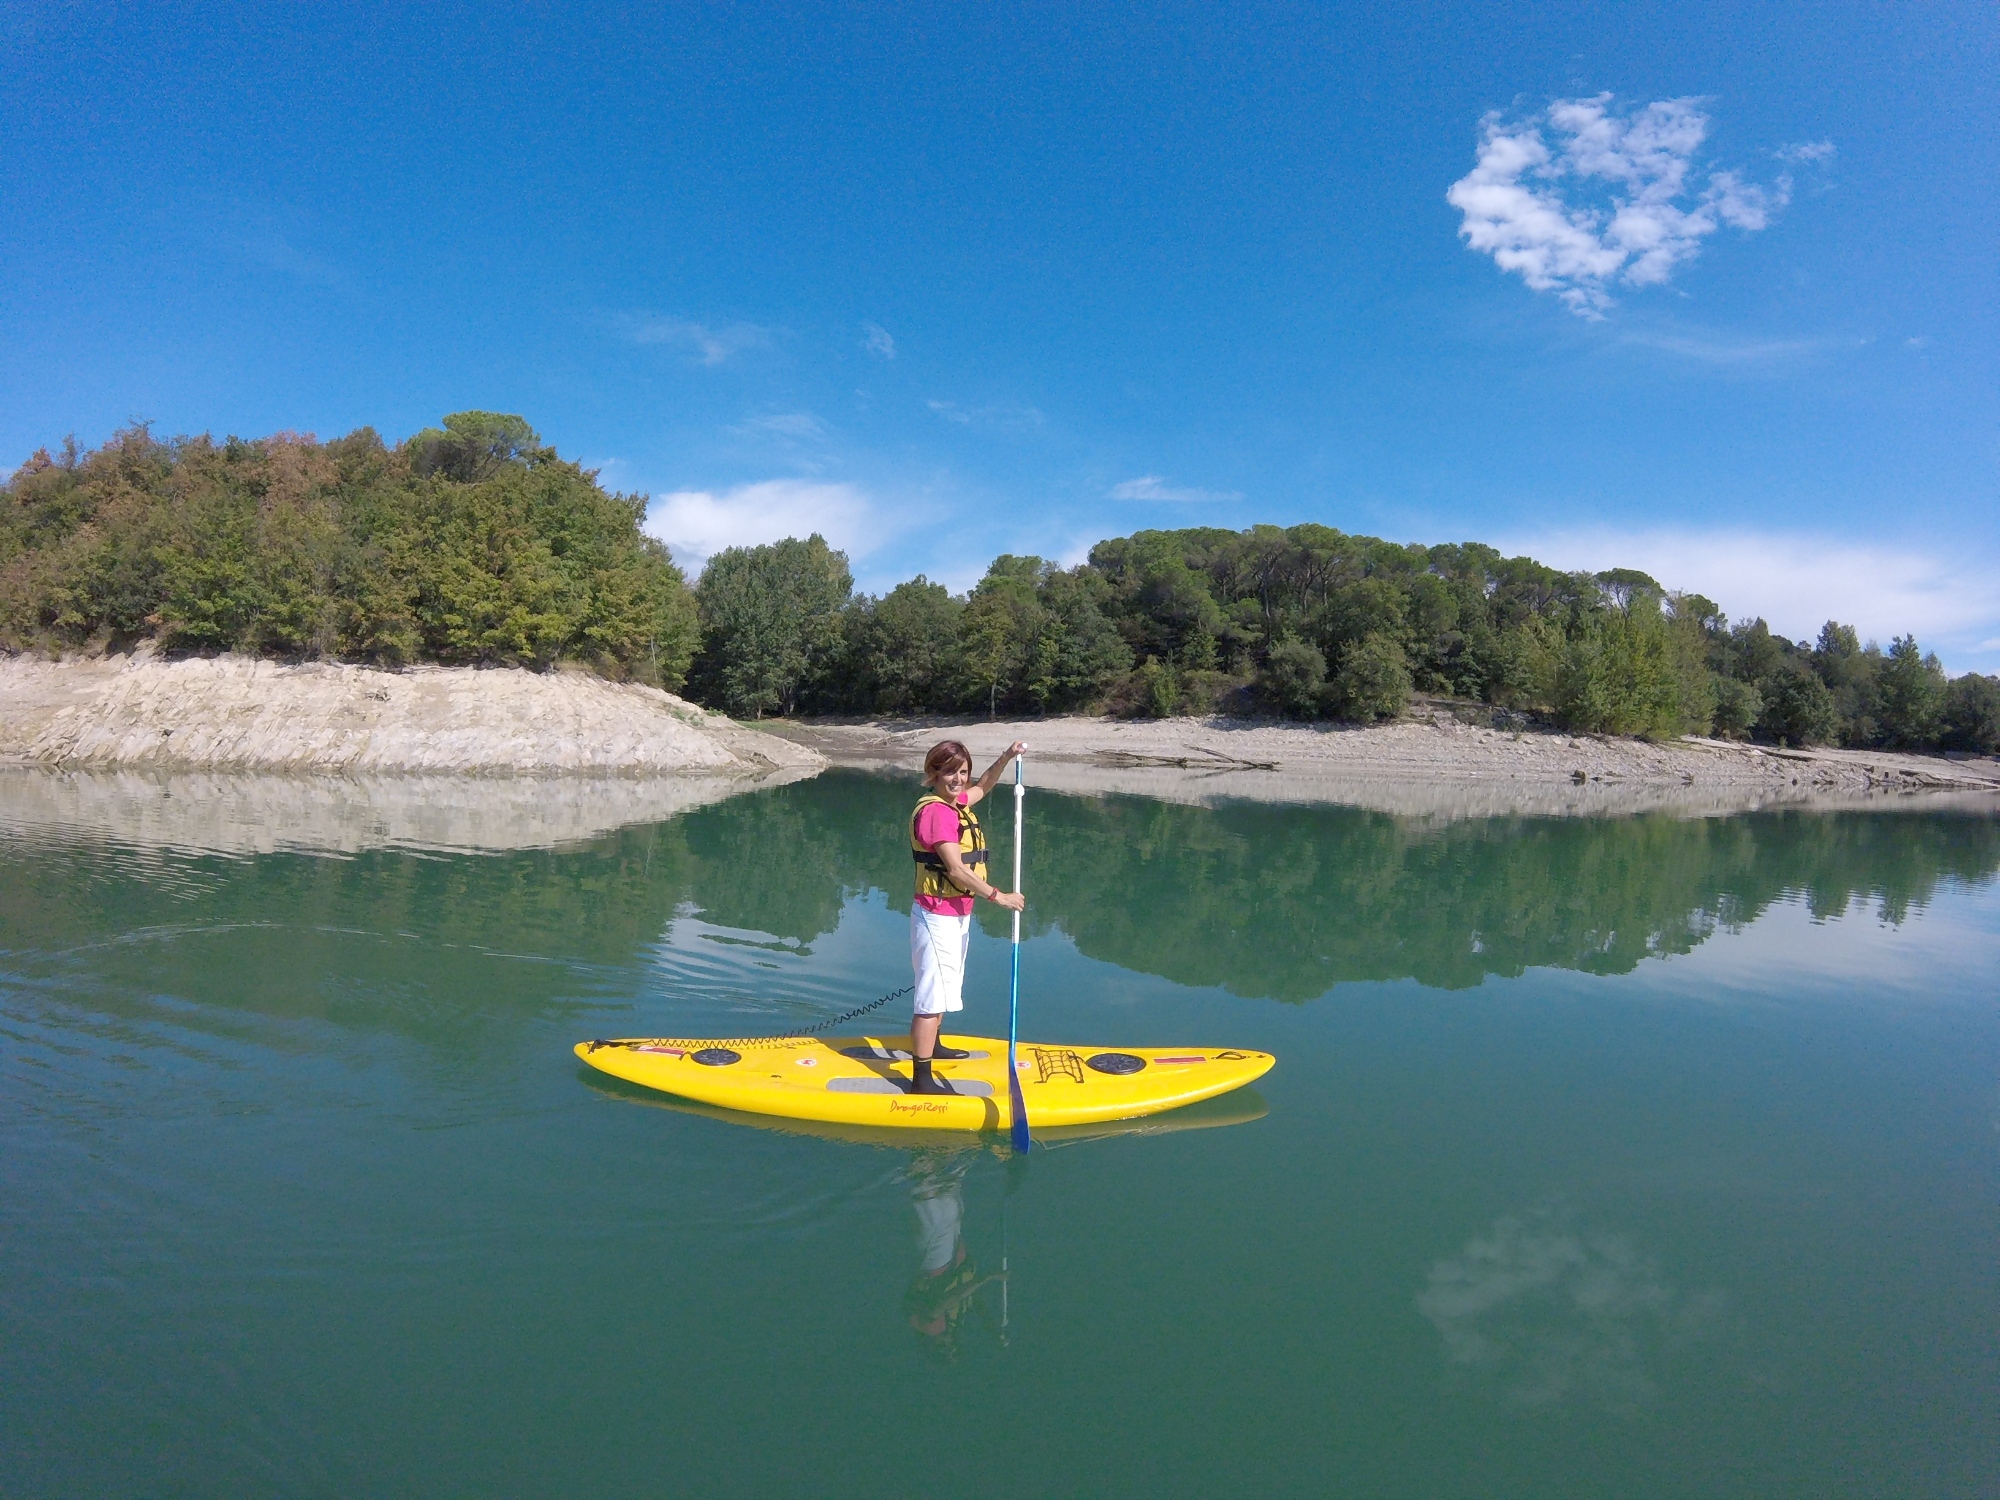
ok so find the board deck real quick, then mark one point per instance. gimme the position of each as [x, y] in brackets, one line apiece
[862, 1080]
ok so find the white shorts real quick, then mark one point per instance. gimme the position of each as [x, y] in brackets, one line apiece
[938, 943]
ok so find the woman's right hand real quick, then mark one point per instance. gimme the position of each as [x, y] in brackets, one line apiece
[1012, 900]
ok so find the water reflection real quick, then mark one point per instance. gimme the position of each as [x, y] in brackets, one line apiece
[1268, 902]
[1554, 1312]
[947, 1280]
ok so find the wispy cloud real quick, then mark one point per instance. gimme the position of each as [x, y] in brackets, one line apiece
[1797, 581]
[1613, 201]
[710, 345]
[787, 426]
[697, 524]
[276, 253]
[1155, 487]
[878, 341]
[1721, 349]
[1804, 152]
[1000, 418]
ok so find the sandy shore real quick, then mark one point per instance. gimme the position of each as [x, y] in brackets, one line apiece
[1431, 765]
[239, 714]
[451, 726]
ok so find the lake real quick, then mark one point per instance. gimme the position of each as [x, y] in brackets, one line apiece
[1642, 1155]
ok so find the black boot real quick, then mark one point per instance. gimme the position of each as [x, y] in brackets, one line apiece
[948, 1054]
[921, 1081]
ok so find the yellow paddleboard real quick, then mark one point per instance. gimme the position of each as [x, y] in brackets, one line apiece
[1242, 1107]
[863, 1080]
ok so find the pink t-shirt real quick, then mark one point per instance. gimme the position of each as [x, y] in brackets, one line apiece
[938, 824]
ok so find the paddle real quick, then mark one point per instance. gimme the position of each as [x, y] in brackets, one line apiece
[1020, 1105]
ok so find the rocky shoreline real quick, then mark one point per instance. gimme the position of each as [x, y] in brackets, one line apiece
[338, 737]
[232, 713]
[1431, 764]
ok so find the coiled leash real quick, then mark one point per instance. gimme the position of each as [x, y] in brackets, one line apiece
[756, 1041]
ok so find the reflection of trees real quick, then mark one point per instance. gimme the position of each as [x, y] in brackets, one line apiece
[1285, 902]
[1280, 902]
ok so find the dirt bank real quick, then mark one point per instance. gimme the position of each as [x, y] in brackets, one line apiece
[239, 714]
[1432, 764]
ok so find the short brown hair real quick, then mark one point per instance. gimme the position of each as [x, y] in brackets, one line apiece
[944, 755]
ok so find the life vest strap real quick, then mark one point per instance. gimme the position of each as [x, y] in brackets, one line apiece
[936, 862]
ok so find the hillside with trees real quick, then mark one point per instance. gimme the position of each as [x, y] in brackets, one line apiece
[475, 544]
[467, 544]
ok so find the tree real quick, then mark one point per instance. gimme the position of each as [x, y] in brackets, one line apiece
[768, 615]
[1737, 705]
[1798, 707]
[1851, 674]
[1910, 689]
[474, 445]
[1632, 671]
[1294, 676]
[1971, 717]
[1373, 681]
[902, 650]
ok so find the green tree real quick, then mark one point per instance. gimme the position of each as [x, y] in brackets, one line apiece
[1971, 717]
[1737, 706]
[1373, 681]
[997, 634]
[1294, 677]
[1798, 707]
[768, 614]
[1079, 655]
[473, 445]
[1851, 674]
[902, 650]
[1911, 691]
[1630, 671]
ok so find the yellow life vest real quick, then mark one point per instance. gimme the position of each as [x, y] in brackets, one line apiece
[932, 877]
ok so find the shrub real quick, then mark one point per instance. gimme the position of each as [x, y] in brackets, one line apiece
[1373, 681]
[1294, 677]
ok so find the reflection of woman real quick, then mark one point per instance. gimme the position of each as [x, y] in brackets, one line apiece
[949, 848]
[946, 1279]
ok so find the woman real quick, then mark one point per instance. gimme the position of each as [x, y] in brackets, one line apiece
[949, 848]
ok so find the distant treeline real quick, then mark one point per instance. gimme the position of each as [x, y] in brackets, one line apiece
[1307, 622]
[473, 543]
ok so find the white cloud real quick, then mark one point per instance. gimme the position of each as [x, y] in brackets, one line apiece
[1637, 214]
[1917, 341]
[1796, 582]
[1805, 151]
[1002, 418]
[1155, 487]
[709, 345]
[794, 426]
[878, 341]
[697, 524]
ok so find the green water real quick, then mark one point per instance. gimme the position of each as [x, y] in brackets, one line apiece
[1612, 1157]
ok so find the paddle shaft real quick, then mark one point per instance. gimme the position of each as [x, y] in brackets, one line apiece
[1019, 1133]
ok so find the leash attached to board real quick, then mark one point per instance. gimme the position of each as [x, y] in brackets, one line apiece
[1020, 1139]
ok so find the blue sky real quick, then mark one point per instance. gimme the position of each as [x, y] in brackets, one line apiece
[1708, 290]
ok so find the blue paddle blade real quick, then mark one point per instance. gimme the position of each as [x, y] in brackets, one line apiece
[1021, 1141]
[1018, 1131]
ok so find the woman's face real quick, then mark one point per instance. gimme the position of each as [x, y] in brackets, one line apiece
[954, 780]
